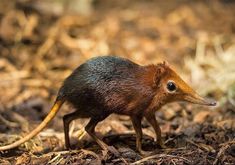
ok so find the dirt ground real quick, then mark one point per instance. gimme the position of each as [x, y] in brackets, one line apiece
[41, 42]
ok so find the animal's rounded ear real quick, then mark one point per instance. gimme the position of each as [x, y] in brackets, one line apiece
[165, 63]
[160, 71]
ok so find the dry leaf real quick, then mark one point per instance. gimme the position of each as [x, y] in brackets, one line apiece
[201, 116]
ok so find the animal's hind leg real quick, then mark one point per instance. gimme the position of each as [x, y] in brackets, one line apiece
[67, 119]
[136, 121]
[90, 129]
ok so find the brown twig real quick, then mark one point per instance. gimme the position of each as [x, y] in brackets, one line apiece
[160, 156]
[8, 123]
[222, 150]
[202, 146]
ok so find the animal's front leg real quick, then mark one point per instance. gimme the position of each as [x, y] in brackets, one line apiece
[136, 121]
[150, 116]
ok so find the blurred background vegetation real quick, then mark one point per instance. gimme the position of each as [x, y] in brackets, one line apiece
[42, 41]
[45, 40]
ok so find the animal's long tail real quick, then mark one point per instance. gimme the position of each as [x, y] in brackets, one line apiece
[58, 103]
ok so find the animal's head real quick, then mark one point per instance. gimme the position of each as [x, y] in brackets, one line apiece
[174, 88]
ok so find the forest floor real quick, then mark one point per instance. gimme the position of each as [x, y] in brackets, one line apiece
[40, 45]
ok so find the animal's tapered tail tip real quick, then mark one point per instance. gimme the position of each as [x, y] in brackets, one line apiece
[39, 128]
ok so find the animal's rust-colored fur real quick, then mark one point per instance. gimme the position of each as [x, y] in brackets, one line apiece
[105, 85]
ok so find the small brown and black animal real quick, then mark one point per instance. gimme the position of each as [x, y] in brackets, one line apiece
[108, 84]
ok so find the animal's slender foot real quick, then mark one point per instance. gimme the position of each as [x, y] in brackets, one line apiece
[68, 147]
[105, 153]
[113, 150]
[142, 152]
[110, 149]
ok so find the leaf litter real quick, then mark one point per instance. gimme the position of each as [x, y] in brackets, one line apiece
[40, 47]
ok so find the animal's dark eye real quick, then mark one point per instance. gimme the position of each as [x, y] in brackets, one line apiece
[171, 86]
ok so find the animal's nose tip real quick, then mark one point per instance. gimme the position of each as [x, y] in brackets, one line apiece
[213, 103]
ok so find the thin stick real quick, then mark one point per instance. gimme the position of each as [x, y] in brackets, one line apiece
[224, 147]
[159, 156]
[8, 123]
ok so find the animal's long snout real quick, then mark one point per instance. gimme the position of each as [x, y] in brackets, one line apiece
[197, 99]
